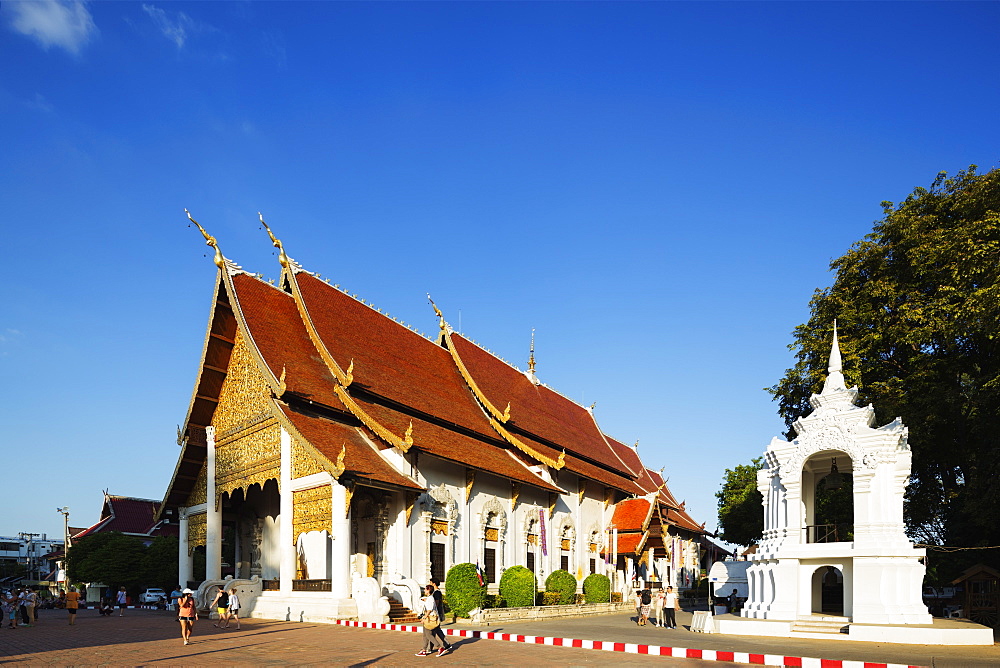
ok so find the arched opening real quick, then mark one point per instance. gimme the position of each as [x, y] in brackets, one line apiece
[828, 495]
[828, 591]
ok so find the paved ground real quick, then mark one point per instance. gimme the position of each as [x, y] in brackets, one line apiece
[622, 628]
[149, 637]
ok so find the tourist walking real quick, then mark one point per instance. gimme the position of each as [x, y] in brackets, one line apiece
[432, 625]
[670, 605]
[645, 601]
[72, 603]
[175, 596]
[187, 614]
[234, 610]
[439, 600]
[28, 609]
[221, 605]
[122, 599]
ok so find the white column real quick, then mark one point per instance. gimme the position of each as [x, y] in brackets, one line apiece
[213, 516]
[286, 568]
[184, 561]
[340, 533]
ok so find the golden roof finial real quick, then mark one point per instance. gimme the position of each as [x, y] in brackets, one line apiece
[282, 258]
[531, 354]
[220, 261]
[441, 323]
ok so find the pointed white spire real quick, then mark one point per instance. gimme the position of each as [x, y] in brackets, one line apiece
[834, 381]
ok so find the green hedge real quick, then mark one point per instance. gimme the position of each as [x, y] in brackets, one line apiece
[564, 583]
[517, 587]
[597, 588]
[462, 589]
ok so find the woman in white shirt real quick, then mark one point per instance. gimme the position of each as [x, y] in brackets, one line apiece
[432, 625]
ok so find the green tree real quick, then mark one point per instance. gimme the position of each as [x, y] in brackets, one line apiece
[563, 583]
[111, 558]
[741, 506]
[917, 303]
[463, 592]
[159, 563]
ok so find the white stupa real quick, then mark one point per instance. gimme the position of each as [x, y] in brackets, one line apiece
[808, 575]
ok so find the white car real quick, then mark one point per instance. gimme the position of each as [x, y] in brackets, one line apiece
[153, 596]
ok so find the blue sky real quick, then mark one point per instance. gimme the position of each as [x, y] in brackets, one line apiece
[656, 188]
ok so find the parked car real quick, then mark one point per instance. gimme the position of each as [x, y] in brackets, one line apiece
[153, 595]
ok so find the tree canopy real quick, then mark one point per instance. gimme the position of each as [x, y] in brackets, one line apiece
[917, 304]
[741, 512]
[115, 559]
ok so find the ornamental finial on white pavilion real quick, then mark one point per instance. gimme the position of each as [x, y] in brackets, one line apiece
[835, 381]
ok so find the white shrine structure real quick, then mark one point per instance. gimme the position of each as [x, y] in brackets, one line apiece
[811, 577]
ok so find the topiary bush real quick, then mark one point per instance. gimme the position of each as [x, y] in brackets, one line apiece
[517, 587]
[597, 588]
[462, 589]
[563, 582]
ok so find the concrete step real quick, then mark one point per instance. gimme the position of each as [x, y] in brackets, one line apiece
[821, 624]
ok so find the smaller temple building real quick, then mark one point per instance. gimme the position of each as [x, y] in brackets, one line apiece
[834, 553]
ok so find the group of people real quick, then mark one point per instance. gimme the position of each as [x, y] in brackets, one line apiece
[20, 603]
[431, 613]
[664, 603]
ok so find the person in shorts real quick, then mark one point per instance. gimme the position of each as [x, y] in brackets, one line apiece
[122, 599]
[234, 610]
[72, 603]
[221, 605]
[187, 614]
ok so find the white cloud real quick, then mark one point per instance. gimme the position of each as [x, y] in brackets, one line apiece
[63, 23]
[175, 27]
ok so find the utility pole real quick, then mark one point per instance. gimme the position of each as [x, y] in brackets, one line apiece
[30, 552]
[65, 513]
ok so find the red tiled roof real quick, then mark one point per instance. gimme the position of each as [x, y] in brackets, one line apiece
[360, 458]
[390, 360]
[125, 515]
[631, 514]
[681, 519]
[276, 328]
[628, 543]
[455, 446]
[537, 409]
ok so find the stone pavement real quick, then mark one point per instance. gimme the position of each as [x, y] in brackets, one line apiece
[622, 628]
[150, 637]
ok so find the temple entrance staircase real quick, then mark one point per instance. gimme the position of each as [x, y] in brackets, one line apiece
[821, 624]
[398, 614]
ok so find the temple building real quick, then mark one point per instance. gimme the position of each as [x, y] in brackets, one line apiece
[331, 457]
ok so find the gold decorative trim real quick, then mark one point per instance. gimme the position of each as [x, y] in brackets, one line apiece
[439, 527]
[197, 530]
[553, 499]
[220, 261]
[470, 480]
[533, 539]
[336, 469]
[564, 544]
[526, 449]
[487, 404]
[593, 547]
[515, 493]
[492, 534]
[609, 493]
[311, 511]
[348, 495]
[582, 489]
[411, 501]
[403, 444]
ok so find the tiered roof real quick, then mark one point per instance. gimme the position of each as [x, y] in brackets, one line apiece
[349, 382]
[128, 515]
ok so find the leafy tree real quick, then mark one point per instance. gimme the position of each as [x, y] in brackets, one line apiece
[111, 558]
[159, 563]
[917, 303]
[741, 506]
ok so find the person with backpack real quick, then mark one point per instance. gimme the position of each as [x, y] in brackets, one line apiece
[439, 599]
[645, 602]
